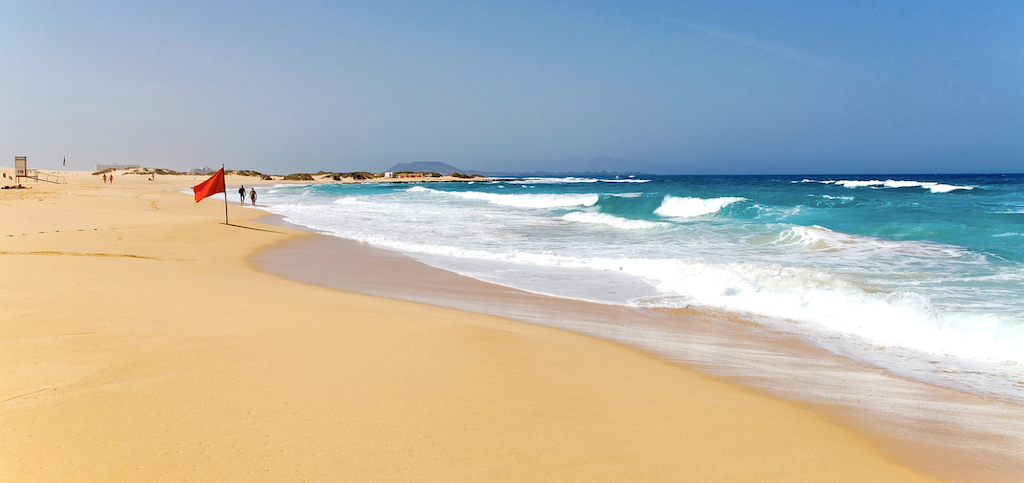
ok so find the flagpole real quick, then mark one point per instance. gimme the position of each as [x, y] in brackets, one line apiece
[225, 196]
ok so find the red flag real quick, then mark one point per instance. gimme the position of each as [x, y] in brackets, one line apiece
[211, 186]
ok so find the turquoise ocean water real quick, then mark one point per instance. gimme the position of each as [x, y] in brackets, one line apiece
[922, 275]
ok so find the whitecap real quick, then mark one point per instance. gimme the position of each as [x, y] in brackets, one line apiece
[928, 185]
[517, 200]
[822, 239]
[565, 180]
[688, 207]
[612, 221]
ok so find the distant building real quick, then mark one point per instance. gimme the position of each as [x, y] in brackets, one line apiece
[104, 167]
[203, 170]
[389, 174]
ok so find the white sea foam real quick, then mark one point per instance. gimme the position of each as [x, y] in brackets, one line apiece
[626, 195]
[612, 220]
[803, 300]
[531, 200]
[687, 207]
[822, 239]
[574, 180]
[928, 185]
[857, 295]
[565, 180]
[826, 305]
[517, 200]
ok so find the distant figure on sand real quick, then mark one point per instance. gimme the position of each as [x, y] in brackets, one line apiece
[241, 194]
[104, 178]
[252, 196]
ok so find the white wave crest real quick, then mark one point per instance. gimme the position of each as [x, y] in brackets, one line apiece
[566, 180]
[821, 304]
[891, 183]
[687, 207]
[612, 220]
[517, 200]
[420, 189]
[822, 239]
[830, 306]
[574, 180]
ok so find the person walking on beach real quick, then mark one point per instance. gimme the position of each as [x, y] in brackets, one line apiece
[104, 178]
[252, 196]
[241, 194]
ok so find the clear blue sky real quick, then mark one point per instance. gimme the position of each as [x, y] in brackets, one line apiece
[668, 87]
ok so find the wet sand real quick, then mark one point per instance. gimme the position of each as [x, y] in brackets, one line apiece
[957, 436]
[138, 343]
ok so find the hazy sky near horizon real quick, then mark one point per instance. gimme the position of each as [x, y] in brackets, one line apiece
[703, 87]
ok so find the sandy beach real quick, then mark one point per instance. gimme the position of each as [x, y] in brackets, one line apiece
[139, 344]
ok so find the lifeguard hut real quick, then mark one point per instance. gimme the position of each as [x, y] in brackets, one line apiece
[21, 171]
[20, 167]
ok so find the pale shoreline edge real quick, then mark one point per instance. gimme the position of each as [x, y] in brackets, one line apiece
[934, 457]
[112, 383]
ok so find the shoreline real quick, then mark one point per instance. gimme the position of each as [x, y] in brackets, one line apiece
[253, 179]
[140, 344]
[955, 435]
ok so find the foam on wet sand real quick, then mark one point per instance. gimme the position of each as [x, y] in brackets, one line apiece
[140, 345]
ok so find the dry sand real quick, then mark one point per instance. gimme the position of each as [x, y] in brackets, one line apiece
[137, 344]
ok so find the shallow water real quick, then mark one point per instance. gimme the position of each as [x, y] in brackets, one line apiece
[919, 275]
[957, 436]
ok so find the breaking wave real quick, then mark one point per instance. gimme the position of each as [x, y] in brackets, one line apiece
[677, 207]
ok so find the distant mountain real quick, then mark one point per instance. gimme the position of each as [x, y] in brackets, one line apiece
[601, 167]
[428, 167]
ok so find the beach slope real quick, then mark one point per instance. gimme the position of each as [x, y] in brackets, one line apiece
[138, 344]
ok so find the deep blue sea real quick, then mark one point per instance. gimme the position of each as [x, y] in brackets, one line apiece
[922, 275]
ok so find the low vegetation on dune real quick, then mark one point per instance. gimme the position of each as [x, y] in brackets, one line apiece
[247, 172]
[148, 171]
[356, 175]
[336, 176]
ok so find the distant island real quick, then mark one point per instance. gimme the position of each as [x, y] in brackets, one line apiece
[605, 166]
[428, 167]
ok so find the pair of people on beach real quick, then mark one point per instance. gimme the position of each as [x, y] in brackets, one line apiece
[241, 194]
[110, 177]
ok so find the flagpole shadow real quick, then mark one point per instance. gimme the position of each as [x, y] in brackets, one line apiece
[253, 228]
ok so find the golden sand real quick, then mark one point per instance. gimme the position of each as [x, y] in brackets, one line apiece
[137, 344]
